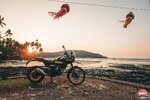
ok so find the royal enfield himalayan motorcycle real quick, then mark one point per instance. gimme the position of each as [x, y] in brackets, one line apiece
[56, 67]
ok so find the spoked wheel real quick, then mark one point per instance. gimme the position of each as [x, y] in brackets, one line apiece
[34, 75]
[76, 75]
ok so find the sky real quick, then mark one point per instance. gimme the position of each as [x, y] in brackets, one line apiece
[91, 28]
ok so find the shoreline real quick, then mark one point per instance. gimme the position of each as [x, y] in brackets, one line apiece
[125, 72]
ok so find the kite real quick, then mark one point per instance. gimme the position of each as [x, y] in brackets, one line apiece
[64, 10]
[129, 17]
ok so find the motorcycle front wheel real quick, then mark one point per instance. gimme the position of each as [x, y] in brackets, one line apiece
[76, 75]
[34, 75]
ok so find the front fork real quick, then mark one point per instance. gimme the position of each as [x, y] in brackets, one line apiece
[72, 67]
[75, 75]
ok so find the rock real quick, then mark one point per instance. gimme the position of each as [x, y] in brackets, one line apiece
[70, 91]
[33, 99]
[40, 93]
[65, 86]
[21, 96]
[62, 86]
[15, 94]
[96, 72]
[98, 86]
[62, 97]
[86, 93]
[4, 99]
[33, 95]
[30, 88]
[28, 95]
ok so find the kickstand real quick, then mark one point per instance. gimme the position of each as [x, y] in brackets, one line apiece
[51, 79]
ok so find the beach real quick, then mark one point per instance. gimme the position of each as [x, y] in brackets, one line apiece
[130, 70]
[61, 89]
[104, 79]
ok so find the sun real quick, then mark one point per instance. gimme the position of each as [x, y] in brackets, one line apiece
[30, 50]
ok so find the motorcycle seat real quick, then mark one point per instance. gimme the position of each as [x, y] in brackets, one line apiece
[48, 62]
[44, 60]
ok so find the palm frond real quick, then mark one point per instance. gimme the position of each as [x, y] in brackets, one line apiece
[3, 23]
[2, 19]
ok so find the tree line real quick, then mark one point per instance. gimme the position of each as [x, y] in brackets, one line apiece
[13, 49]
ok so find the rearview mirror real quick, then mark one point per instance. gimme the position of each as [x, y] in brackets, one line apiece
[63, 47]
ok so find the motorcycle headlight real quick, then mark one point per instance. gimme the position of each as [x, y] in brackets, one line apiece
[73, 54]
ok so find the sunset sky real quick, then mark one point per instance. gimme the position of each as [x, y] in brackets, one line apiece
[92, 28]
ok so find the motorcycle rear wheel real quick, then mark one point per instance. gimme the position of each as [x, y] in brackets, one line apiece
[76, 75]
[34, 75]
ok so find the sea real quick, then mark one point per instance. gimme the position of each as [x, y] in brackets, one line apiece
[85, 62]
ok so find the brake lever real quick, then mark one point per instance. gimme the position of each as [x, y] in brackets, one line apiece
[33, 59]
[28, 62]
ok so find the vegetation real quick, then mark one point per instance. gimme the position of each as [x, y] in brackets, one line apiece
[79, 54]
[13, 49]
[14, 82]
[13, 85]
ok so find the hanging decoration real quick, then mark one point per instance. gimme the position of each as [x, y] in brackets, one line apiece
[129, 17]
[65, 8]
[100, 5]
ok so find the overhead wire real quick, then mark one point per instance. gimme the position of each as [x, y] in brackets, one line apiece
[99, 5]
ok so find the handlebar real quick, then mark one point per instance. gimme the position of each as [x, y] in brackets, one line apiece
[65, 51]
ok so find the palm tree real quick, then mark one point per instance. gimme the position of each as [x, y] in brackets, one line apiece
[1, 40]
[41, 50]
[1, 21]
[16, 45]
[32, 45]
[1, 45]
[8, 33]
[27, 44]
[8, 49]
[17, 52]
[37, 44]
[1, 37]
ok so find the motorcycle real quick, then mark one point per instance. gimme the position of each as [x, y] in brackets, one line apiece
[56, 67]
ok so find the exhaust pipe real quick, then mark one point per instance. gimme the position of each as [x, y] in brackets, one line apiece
[41, 71]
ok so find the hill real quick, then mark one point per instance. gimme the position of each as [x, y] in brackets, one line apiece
[79, 54]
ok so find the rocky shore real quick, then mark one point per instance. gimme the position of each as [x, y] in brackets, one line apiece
[125, 72]
[112, 82]
[137, 73]
[141, 77]
[12, 72]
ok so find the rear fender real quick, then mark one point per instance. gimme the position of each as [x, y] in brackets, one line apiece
[40, 70]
